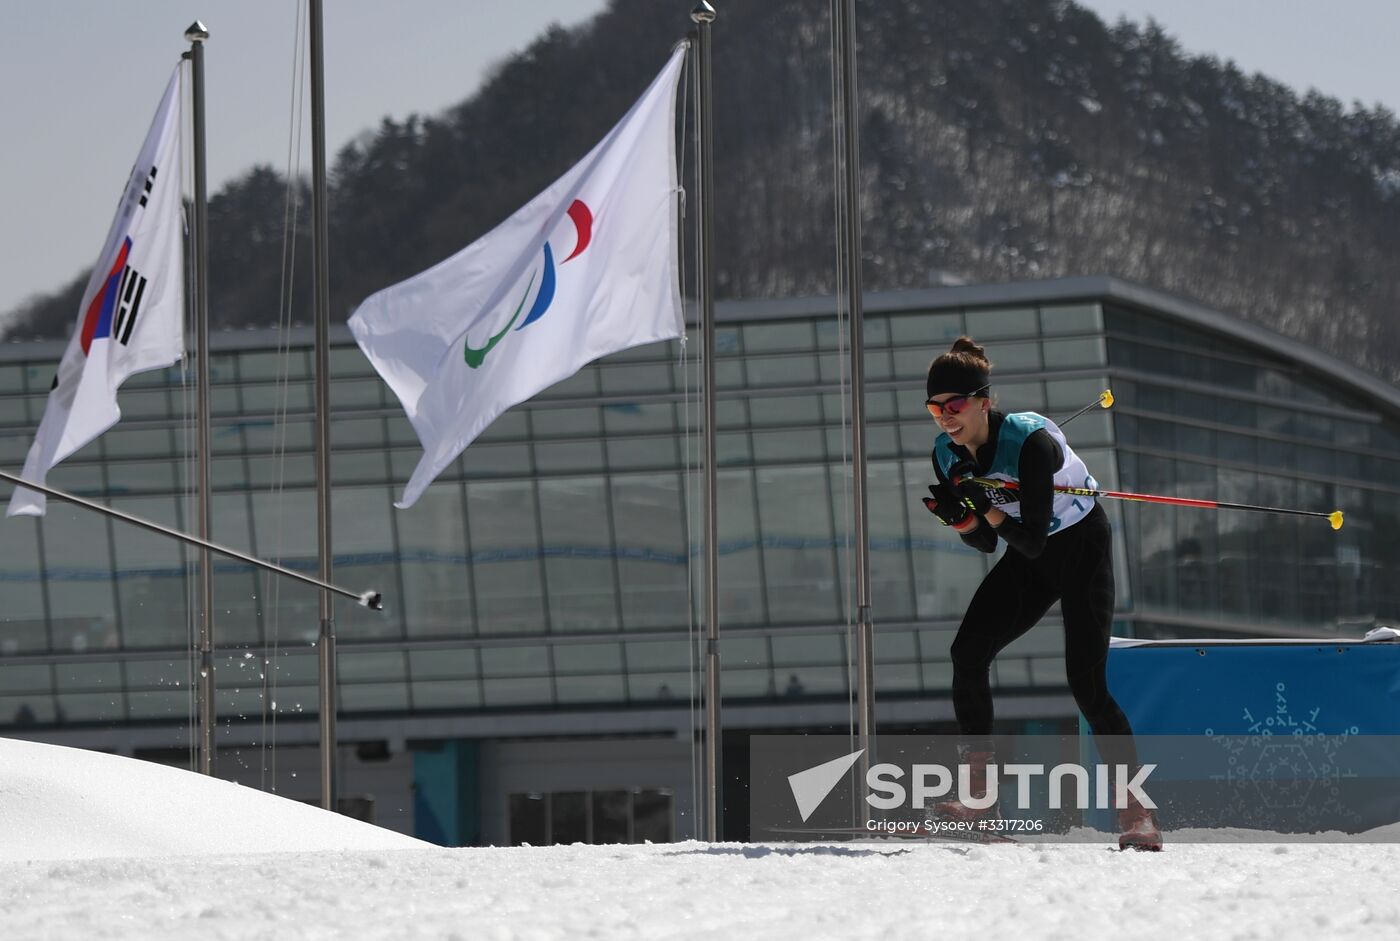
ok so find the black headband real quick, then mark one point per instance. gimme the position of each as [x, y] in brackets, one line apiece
[951, 376]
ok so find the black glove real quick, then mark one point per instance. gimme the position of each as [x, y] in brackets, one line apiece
[946, 504]
[973, 494]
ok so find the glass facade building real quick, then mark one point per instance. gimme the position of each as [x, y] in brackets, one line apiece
[545, 585]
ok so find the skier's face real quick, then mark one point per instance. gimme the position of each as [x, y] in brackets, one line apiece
[963, 417]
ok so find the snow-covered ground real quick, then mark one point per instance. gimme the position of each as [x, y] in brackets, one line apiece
[94, 846]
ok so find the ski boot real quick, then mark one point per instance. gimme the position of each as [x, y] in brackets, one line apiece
[1138, 828]
[953, 808]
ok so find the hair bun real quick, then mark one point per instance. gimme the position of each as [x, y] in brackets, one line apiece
[965, 344]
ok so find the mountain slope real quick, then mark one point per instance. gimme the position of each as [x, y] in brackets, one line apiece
[1009, 139]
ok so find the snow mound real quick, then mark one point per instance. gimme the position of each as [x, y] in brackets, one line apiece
[68, 803]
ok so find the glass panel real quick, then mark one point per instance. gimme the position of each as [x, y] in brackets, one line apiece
[659, 687]
[775, 446]
[274, 437]
[357, 432]
[581, 384]
[513, 425]
[631, 417]
[1019, 396]
[437, 581]
[798, 559]
[579, 555]
[518, 691]
[1011, 322]
[479, 460]
[653, 377]
[935, 331]
[1015, 357]
[141, 477]
[741, 599]
[505, 557]
[269, 365]
[90, 707]
[12, 380]
[78, 569]
[786, 410]
[14, 447]
[23, 625]
[285, 527]
[734, 448]
[651, 815]
[267, 399]
[781, 370]
[371, 666]
[514, 661]
[27, 710]
[399, 431]
[88, 676]
[348, 361]
[568, 817]
[572, 422]
[26, 678]
[528, 821]
[1070, 395]
[597, 689]
[374, 697]
[657, 655]
[639, 453]
[773, 337]
[587, 658]
[566, 456]
[347, 467]
[889, 512]
[144, 403]
[151, 575]
[440, 664]
[878, 366]
[1068, 354]
[912, 363]
[649, 529]
[364, 546]
[357, 393]
[746, 684]
[446, 694]
[1077, 318]
[815, 681]
[898, 677]
[610, 816]
[138, 442]
[171, 706]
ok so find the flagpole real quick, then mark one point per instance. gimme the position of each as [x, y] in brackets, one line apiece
[319, 240]
[703, 15]
[197, 34]
[845, 15]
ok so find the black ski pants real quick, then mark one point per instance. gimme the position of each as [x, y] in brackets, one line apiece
[1076, 569]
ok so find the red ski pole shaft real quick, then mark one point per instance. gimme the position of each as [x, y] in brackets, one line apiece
[1334, 517]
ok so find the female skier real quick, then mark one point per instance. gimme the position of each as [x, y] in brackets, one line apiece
[1057, 550]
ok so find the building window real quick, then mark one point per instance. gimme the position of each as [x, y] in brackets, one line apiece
[621, 815]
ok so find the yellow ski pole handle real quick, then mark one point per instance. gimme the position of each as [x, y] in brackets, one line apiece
[1105, 400]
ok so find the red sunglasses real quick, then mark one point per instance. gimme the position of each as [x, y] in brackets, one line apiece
[953, 405]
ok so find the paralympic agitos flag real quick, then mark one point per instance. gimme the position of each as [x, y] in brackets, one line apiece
[586, 268]
[132, 313]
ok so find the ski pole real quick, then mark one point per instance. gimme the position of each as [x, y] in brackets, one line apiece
[1335, 517]
[1105, 400]
[368, 599]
